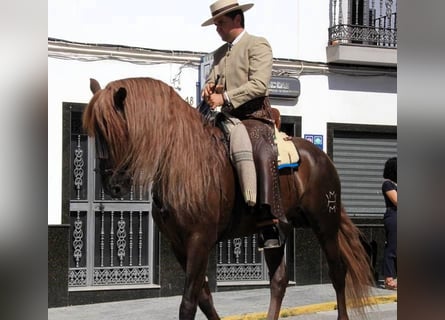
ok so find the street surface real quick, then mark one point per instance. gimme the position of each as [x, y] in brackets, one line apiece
[251, 303]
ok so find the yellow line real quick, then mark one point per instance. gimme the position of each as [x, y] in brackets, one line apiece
[312, 308]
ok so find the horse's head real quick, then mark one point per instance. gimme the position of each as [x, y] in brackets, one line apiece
[116, 182]
[101, 117]
[145, 130]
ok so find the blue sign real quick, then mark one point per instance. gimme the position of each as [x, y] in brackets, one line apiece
[316, 139]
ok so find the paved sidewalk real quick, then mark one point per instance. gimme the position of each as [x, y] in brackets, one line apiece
[386, 311]
[232, 305]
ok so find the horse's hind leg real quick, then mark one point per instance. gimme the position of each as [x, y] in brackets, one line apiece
[337, 273]
[278, 280]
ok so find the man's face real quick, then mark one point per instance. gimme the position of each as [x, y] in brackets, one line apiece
[225, 27]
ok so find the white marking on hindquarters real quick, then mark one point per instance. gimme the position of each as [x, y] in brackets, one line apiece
[332, 201]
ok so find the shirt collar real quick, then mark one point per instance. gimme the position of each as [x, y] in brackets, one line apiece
[238, 38]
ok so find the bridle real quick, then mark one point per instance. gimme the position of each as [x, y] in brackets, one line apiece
[103, 155]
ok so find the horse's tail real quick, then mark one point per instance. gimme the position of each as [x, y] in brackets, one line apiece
[359, 278]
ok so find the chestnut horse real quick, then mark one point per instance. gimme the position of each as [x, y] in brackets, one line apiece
[145, 131]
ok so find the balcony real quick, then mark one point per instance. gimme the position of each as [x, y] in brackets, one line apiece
[369, 38]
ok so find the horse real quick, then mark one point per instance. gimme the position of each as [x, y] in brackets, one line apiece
[145, 132]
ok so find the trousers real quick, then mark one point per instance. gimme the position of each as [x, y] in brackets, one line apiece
[390, 251]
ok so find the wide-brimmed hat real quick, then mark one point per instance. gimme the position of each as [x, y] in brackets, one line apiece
[221, 7]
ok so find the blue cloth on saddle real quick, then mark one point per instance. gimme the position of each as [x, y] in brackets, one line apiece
[288, 165]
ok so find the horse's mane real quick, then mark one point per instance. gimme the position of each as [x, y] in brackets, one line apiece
[161, 138]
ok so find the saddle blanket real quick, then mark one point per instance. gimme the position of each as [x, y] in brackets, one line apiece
[287, 152]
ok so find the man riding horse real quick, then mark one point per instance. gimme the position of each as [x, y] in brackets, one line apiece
[238, 83]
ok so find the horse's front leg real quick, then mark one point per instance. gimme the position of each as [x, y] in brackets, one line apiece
[196, 289]
[206, 302]
[278, 280]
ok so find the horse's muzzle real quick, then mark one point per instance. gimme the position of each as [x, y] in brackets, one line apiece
[116, 184]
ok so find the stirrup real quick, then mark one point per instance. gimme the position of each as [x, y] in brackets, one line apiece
[269, 237]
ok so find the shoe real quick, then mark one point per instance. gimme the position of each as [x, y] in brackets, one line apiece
[272, 243]
[390, 284]
[269, 238]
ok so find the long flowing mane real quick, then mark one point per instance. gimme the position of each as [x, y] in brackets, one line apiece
[161, 138]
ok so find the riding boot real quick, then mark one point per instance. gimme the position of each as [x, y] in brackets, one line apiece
[265, 155]
[269, 235]
[269, 198]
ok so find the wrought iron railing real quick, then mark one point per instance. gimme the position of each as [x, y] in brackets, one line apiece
[240, 260]
[365, 35]
[381, 31]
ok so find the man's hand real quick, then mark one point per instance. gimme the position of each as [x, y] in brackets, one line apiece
[213, 99]
[208, 90]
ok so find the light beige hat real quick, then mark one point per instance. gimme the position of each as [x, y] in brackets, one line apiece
[221, 7]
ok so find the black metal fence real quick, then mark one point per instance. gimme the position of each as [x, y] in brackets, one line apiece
[364, 35]
[365, 23]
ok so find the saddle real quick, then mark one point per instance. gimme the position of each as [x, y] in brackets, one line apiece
[288, 156]
[275, 151]
[241, 154]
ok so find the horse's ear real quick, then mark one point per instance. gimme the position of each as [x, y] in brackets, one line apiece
[94, 85]
[119, 98]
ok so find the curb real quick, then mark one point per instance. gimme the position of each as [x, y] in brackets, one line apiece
[312, 308]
